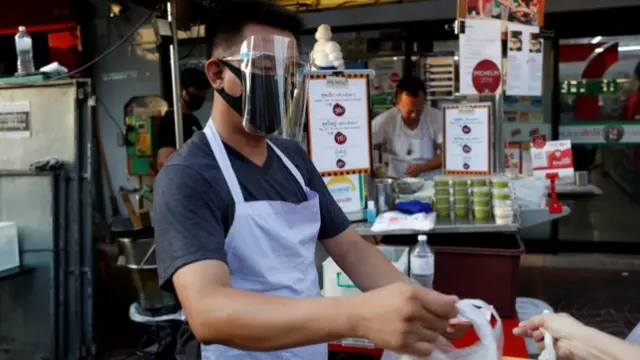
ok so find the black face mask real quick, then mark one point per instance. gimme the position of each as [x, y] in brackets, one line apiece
[195, 101]
[263, 110]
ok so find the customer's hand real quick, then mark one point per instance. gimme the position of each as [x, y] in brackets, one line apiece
[405, 318]
[569, 334]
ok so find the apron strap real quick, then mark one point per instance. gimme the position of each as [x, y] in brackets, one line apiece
[223, 161]
[289, 165]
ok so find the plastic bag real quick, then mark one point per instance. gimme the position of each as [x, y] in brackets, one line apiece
[488, 348]
[394, 220]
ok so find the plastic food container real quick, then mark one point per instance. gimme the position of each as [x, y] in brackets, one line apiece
[503, 216]
[442, 200]
[500, 182]
[441, 181]
[461, 191]
[482, 201]
[501, 194]
[481, 212]
[439, 191]
[479, 182]
[462, 210]
[482, 192]
[461, 183]
[503, 204]
[443, 210]
[462, 199]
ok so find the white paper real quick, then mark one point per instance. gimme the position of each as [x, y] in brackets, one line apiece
[467, 140]
[524, 56]
[482, 40]
[339, 126]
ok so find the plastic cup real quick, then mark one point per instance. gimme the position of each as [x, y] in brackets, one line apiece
[481, 212]
[503, 216]
[481, 192]
[482, 201]
[503, 204]
[461, 191]
[462, 210]
[479, 182]
[441, 191]
[461, 183]
[443, 200]
[443, 211]
[501, 194]
[461, 200]
[499, 182]
[441, 181]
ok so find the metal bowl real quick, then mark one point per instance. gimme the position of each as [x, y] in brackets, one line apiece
[408, 186]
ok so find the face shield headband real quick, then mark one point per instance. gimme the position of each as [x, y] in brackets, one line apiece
[272, 100]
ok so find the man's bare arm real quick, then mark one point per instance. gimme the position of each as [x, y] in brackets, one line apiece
[365, 265]
[435, 162]
[245, 320]
[163, 155]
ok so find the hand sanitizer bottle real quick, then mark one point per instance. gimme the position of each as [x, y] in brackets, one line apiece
[422, 263]
[370, 213]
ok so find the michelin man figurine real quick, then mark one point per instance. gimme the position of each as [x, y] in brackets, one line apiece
[326, 54]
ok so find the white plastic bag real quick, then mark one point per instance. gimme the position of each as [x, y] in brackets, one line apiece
[394, 220]
[488, 348]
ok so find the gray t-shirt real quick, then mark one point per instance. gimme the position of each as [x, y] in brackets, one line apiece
[193, 207]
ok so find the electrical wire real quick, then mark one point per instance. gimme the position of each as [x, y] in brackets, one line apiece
[104, 54]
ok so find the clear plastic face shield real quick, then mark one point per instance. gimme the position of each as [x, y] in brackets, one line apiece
[273, 97]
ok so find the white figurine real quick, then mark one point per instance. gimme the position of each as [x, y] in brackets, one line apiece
[326, 53]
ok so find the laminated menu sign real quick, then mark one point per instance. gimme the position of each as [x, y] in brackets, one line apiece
[467, 139]
[347, 190]
[524, 61]
[480, 57]
[550, 157]
[338, 124]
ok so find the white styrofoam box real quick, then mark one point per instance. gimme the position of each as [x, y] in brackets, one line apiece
[336, 283]
[9, 250]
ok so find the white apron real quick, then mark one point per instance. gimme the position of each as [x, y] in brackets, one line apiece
[411, 147]
[270, 250]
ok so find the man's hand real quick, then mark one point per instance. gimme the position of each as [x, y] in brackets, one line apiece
[405, 318]
[414, 170]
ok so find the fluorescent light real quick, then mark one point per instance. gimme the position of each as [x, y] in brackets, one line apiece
[456, 58]
[596, 39]
[623, 48]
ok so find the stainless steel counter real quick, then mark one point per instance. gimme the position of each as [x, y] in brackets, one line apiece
[528, 218]
[571, 189]
[445, 226]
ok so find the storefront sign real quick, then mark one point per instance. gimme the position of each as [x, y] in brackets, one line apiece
[601, 133]
[339, 126]
[14, 120]
[347, 190]
[467, 139]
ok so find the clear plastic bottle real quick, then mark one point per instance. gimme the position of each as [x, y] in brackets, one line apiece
[24, 50]
[370, 213]
[422, 263]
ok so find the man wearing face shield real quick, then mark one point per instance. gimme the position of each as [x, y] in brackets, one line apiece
[238, 214]
[194, 87]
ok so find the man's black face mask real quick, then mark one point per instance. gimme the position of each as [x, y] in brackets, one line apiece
[263, 107]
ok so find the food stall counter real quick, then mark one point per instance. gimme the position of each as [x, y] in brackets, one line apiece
[445, 225]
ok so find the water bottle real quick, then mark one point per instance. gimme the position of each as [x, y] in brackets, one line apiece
[422, 263]
[24, 50]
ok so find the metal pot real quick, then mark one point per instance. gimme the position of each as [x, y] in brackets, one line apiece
[138, 248]
[384, 194]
